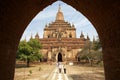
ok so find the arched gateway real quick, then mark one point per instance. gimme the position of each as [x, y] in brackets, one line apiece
[59, 57]
[20, 13]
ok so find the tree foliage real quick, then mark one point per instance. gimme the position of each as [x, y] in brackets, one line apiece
[29, 51]
[96, 45]
[91, 51]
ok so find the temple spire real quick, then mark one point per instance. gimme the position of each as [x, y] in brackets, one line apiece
[93, 38]
[31, 37]
[37, 36]
[59, 15]
[82, 36]
[59, 10]
[88, 37]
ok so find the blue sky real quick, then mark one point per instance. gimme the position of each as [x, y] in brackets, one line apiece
[48, 15]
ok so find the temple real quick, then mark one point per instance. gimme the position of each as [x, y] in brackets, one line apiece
[59, 42]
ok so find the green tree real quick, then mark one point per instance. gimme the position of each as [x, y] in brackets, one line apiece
[29, 51]
[23, 50]
[96, 45]
[35, 44]
[91, 51]
[97, 48]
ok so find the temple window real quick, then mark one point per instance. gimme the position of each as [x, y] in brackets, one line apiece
[70, 36]
[48, 36]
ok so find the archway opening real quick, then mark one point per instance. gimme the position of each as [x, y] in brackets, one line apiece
[19, 13]
[59, 57]
[71, 52]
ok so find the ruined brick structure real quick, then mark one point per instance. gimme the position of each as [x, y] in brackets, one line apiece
[59, 40]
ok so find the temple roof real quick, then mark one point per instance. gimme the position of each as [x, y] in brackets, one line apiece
[59, 15]
[59, 22]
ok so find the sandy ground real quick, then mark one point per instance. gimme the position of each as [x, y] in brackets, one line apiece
[80, 72]
[74, 72]
[36, 72]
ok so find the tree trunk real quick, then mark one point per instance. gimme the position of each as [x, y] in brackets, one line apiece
[28, 63]
[90, 61]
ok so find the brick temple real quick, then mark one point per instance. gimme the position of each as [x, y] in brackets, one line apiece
[59, 42]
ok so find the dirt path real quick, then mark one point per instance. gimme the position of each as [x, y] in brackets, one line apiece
[55, 75]
[74, 72]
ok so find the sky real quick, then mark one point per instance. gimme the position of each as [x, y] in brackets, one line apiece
[48, 15]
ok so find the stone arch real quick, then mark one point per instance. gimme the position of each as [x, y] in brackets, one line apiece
[16, 15]
[59, 57]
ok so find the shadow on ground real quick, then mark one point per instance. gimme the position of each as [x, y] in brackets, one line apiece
[76, 77]
[86, 77]
[22, 66]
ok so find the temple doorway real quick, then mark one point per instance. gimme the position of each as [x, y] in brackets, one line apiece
[59, 57]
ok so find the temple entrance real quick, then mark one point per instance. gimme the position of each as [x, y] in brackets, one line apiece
[59, 57]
